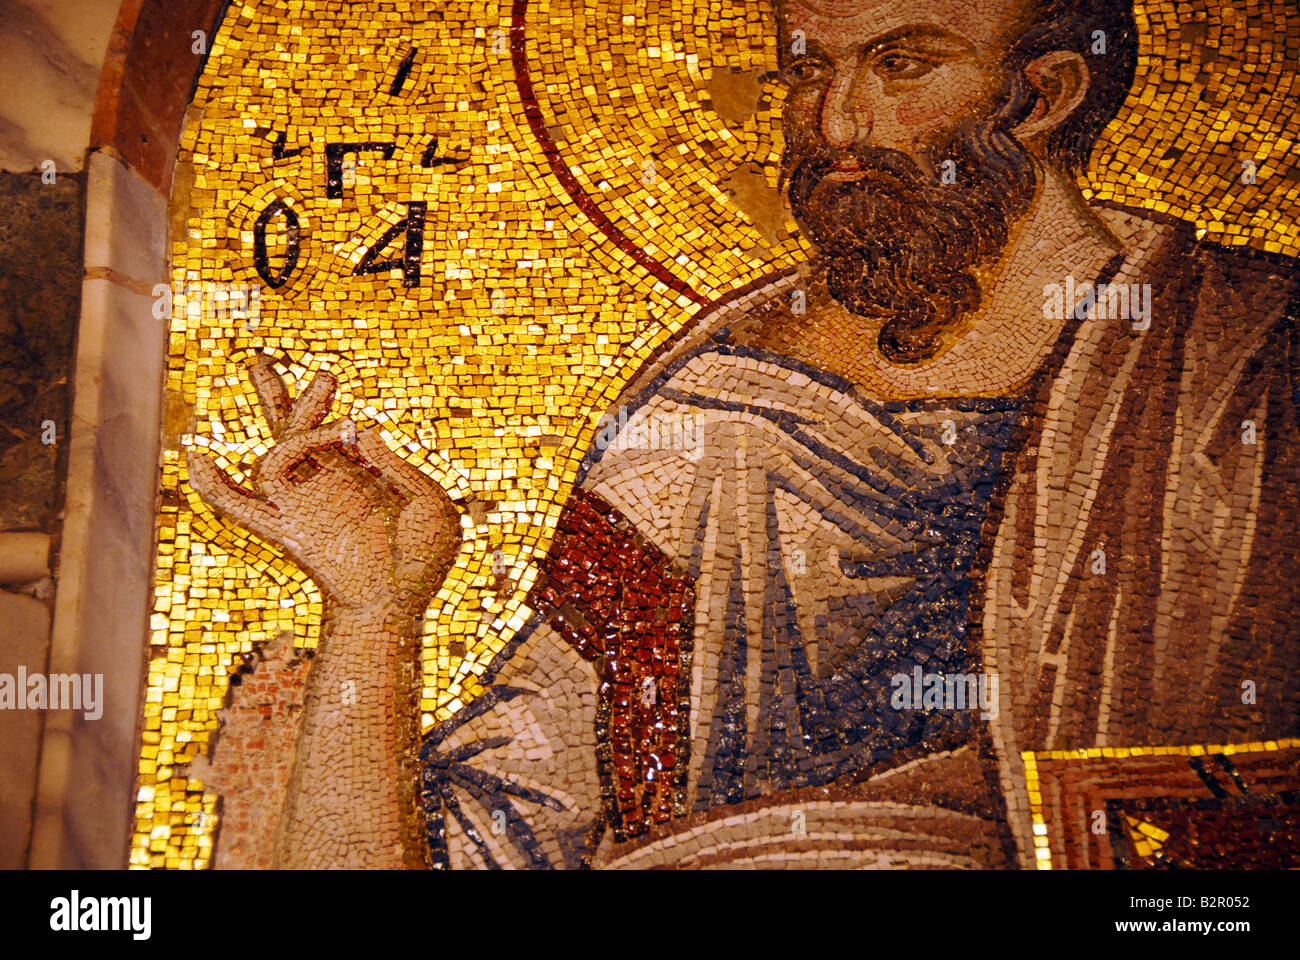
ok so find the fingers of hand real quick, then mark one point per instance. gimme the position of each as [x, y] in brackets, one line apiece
[271, 392]
[228, 498]
[311, 408]
[274, 471]
[428, 536]
[404, 476]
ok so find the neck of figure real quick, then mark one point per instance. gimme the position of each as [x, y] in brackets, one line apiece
[993, 351]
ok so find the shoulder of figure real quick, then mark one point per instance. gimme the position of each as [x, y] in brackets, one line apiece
[714, 320]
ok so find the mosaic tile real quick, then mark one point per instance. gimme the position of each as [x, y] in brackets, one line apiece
[731, 435]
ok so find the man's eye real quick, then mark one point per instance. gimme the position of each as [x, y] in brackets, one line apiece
[899, 66]
[804, 71]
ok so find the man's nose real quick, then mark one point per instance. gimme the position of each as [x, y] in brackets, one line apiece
[846, 117]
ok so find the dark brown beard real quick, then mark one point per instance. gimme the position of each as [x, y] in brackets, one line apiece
[900, 246]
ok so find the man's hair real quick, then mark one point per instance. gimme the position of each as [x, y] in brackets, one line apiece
[1074, 25]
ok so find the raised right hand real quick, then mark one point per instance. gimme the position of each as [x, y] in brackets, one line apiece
[368, 527]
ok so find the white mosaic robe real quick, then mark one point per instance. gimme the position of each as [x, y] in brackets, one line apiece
[809, 519]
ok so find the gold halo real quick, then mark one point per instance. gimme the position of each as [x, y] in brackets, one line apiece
[676, 82]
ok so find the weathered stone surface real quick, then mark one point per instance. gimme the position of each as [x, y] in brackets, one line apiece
[40, 245]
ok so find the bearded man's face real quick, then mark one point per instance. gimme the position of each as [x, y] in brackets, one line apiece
[900, 163]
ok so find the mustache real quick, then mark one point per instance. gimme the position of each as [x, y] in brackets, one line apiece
[987, 160]
[881, 166]
[892, 197]
[879, 208]
[897, 242]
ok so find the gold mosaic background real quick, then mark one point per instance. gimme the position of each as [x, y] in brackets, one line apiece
[491, 374]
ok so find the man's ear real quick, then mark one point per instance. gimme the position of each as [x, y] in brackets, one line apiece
[1061, 79]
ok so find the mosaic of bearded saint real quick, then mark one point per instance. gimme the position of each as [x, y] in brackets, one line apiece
[992, 434]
